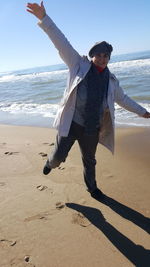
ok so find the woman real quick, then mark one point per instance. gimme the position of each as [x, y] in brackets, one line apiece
[86, 113]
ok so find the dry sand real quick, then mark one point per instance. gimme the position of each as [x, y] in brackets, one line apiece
[52, 221]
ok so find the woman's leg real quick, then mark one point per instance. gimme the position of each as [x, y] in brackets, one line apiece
[88, 145]
[61, 150]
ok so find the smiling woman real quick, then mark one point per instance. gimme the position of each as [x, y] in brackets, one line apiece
[101, 60]
[86, 114]
[100, 54]
[87, 110]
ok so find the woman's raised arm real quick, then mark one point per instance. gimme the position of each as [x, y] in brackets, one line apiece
[68, 54]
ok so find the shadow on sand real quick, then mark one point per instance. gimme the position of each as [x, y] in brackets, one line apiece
[127, 213]
[137, 254]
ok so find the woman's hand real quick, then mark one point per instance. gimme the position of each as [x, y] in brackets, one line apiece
[37, 10]
[146, 115]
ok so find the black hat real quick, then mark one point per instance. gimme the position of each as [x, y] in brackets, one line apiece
[100, 47]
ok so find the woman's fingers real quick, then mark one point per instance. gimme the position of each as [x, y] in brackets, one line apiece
[37, 10]
[42, 4]
[146, 115]
[33, 6]
[30, 5]
[29, 11]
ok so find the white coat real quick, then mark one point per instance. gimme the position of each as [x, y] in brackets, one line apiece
[78, 67]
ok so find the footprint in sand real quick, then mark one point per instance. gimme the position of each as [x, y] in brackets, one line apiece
[11, 153]
[61, 168]
[27, 258]
[43, 155]
[45, 143]
[44, 187]
[3, 144]
[40, 216]
[45, 215]
[60, 205]
[41, 187]
[2, 184]
[22, 262]
[6, 242]
[52, 144]
[78, 218]
[110, 176]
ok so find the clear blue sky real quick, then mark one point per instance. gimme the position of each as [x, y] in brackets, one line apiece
[125, 24]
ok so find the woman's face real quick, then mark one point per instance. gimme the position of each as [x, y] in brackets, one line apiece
[101, 60]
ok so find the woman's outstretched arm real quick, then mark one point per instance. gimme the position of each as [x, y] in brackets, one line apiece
[68, 54]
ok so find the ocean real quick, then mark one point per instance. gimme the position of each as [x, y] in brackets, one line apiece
[31, 96]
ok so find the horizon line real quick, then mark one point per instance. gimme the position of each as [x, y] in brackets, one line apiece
[40, 66]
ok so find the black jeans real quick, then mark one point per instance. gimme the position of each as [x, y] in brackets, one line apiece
[87, 144]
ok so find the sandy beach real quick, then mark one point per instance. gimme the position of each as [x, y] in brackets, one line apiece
[52, 221]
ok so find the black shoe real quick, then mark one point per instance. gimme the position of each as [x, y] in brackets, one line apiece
[46, 170]
[97, 194]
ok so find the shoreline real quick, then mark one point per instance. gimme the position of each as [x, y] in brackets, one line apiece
[50, 219]
[46, 121]
[48, 125]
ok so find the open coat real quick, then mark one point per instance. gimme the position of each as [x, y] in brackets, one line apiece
[78, 67]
